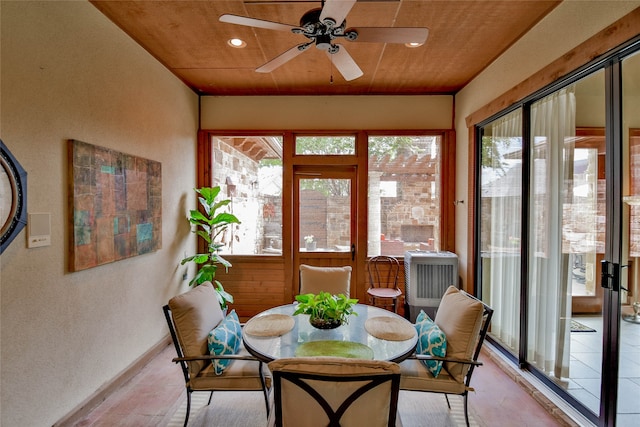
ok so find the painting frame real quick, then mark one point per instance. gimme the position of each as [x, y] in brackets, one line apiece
[115, 205]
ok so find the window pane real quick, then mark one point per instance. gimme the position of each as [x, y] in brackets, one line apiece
[567, 235]
[404, 194]
[325, 145]
[325, 215]
[249, 170]
[500, 228]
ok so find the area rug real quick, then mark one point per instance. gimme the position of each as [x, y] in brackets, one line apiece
[246, 409]
[580, 327]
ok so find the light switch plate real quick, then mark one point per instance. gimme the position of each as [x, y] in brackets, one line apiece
[38, 230]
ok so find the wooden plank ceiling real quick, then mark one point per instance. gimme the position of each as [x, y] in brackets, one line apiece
[186, 36]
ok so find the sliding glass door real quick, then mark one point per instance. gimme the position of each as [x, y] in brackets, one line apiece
[558, 242]
[566, 237]
[501, 225]
[628, 342]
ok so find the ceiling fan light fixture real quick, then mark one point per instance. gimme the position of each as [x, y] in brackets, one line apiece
[323, 42]
[413, 44]
[237, 43]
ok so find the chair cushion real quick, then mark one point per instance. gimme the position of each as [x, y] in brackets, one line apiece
[334, 280]
[240, 375]
[225, 339]
[416, 377]
[194, 314]
[431, 341]
[460, 318]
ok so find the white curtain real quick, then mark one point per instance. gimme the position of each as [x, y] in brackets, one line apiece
[549, 298]
[501, 260]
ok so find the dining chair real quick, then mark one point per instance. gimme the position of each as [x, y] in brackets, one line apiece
[460, 325]
[209, 346]
[335, 392]
[383, 281]
[334, 280]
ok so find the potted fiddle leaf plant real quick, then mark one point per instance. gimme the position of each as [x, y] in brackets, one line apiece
[210, 224]
[326, 311]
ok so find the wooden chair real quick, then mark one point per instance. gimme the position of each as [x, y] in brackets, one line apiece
[191, 316]
[464, 320]
[334, 392]
[334, 280]
[383, 281]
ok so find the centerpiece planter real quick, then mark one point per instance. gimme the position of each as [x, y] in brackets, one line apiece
[324, 323]
[325, 311]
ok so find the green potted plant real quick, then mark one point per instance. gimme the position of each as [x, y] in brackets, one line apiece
[326, 311]
[210, 223]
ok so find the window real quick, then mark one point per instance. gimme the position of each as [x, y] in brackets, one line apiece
[500, 224]
[325, 145]
[404, 194]
[249, 170]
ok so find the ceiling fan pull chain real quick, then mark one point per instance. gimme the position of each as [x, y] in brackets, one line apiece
[331, 69]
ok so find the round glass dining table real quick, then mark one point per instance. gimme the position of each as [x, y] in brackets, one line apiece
[299, 333]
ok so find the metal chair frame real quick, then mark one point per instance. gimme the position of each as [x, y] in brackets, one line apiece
[384, 272]
[373, 381]
[473, 362]
[182, 360]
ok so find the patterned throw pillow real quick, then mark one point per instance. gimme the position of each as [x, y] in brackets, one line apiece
[225, 339]
[432, 341]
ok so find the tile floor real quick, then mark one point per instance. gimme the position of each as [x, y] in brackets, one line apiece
[151, 398]
[586, 366]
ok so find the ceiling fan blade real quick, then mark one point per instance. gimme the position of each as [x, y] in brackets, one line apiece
[391, 35]
[281, 59]
[345, 64]
[256, 23]
[336, 9]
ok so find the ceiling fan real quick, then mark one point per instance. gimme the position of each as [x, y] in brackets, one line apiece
[323, 27]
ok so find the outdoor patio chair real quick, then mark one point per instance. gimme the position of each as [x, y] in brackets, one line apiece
[460, 325]
[334, 280]
[383, 281]
[334, 392]
[191, 317]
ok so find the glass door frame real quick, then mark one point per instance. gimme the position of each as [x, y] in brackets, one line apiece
[319, 256]
[613, 268]
[299, 166]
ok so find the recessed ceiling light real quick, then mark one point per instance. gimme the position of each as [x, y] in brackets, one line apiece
[237, 43]
[413, 44]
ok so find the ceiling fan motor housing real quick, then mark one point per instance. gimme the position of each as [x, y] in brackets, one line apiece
[323, 33]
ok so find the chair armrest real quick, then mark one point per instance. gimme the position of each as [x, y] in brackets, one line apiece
[213, 357]
[445, 359]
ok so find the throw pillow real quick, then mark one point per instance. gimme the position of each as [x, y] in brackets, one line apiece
[432, 341]
[225, 339]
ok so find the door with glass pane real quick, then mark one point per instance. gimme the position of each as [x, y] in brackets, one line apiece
[624, 336]
[324, 217]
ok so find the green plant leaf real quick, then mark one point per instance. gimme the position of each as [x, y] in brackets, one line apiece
[195, 216]
[197, 258]
[225, 217]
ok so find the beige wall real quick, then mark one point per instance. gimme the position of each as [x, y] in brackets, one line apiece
[67, 72]
[327, 112]
[569, 24]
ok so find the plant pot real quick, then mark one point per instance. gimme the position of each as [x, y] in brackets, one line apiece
[325, 323]
[310, 246]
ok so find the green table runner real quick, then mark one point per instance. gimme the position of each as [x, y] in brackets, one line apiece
[350, 349]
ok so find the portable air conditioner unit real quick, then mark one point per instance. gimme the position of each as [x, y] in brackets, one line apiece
[427, 276]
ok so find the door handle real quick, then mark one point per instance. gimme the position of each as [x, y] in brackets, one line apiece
[353, 252]
[610, 277]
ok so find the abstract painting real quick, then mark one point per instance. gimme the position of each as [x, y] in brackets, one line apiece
[115, 205]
